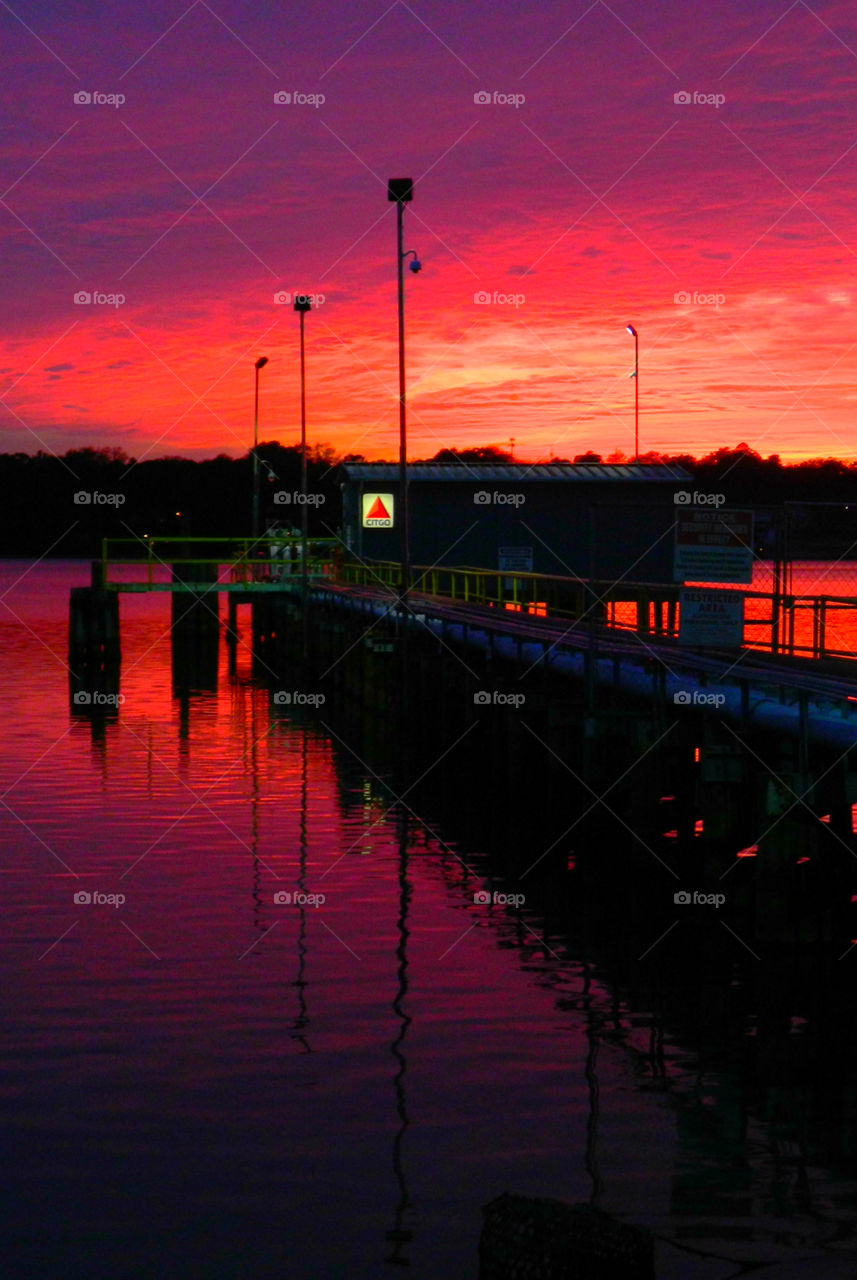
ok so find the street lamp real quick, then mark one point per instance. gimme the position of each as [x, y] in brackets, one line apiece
[636, 377]
[260, 364]
[302, 306]
[401, 190]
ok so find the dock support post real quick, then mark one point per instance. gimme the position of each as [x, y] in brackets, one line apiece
[195, 628]
[93, 649]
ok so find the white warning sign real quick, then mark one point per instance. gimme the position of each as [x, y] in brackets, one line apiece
[713, 546]
[711, 618]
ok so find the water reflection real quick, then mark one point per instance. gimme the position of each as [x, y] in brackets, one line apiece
[400, 1235]
[695, 1091]
[300, 1026]
[259, 925]
[590, 1159]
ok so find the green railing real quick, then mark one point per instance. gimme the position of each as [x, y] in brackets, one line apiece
[241, 560]
[816, 626]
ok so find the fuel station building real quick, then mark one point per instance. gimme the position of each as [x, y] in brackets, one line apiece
[592, 520]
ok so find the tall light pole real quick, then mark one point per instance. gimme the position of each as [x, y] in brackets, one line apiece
[635, 336]
[401, 190]
[302, 306]
[260, 364]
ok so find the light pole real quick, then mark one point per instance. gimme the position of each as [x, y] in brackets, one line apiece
[260, 364]
[635, 336]
[302, 306]
[401, 190]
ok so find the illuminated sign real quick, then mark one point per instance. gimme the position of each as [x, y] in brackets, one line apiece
[377, 510]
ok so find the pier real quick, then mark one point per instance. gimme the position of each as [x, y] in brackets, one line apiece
[726, 772]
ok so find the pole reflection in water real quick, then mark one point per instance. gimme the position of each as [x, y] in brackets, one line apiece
[301, 1022]
[656, 1055]
[590, 1159]
[258, 923]
[400, 1234]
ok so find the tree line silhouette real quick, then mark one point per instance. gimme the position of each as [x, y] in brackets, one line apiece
[46, 510]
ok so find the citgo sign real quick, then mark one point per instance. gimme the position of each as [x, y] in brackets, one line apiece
[377, 510]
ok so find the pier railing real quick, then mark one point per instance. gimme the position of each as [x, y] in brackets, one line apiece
[813, 626]
[156, 563]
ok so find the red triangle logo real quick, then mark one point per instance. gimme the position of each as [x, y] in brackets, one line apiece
[377, 511]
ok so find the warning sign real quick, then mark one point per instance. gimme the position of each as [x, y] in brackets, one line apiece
[713, 546]
[714, 618]
[377, 510]
[515, 559]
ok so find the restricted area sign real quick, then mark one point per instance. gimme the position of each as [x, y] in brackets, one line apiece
[377, 510]
[713, 546]
[713, 618]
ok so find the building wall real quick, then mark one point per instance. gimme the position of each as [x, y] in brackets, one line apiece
[598, 530]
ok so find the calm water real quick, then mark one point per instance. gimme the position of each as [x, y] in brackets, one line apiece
[204, 1082]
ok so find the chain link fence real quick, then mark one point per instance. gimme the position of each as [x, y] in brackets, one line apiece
[802, 599]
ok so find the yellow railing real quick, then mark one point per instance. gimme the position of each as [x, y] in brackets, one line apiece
[817, 626]
[243, 560]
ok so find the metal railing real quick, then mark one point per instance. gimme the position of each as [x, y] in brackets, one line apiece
[813, 626]
[241, 560]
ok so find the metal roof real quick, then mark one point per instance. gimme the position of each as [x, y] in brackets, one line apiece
[520, 473]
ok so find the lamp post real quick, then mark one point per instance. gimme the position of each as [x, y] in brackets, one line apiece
[302, 306]
[260, 364]
[635, 336]
[401, 190]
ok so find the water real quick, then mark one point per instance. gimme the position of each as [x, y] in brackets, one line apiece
[200, 1081]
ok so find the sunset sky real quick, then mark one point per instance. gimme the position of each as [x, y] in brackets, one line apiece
[580, 197]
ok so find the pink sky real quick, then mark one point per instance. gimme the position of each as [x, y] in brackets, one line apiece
[592, 202]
